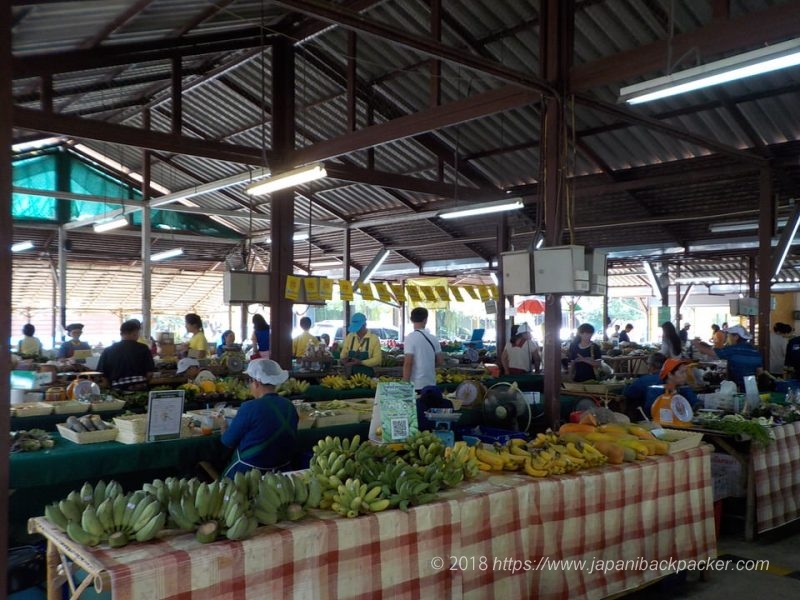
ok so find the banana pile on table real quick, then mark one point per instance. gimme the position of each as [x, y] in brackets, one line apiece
[357, 381]
[360, 478]
[292, 387]
[546, 455]
[31, 440]
[103, 513]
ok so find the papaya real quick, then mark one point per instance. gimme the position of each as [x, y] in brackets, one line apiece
[596, 436]
[576, 428]
[640, 432]
[588, 418]
[614, 453]
[613, 428]
[657, 446]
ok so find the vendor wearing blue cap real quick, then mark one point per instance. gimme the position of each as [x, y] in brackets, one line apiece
[264, 431]
[361, 350]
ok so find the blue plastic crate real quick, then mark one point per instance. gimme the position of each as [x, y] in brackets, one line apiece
[491, 435]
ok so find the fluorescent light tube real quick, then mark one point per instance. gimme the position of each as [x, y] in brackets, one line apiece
[484, 209]
[109, 225]
[699, 280]
[166, 254]
[741, 226]
[21, 246]
[298, 236]
[288, 179]
[763, 60]
[325, 263]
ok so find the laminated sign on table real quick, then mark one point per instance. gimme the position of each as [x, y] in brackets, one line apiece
[397, 407]
[164, 410]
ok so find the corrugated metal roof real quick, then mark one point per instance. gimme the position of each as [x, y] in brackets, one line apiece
[224, 89]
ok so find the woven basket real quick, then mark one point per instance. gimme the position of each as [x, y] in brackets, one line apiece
[108, 405]
[573, 387]
[87, 437]
[69, 407]
[31, 409]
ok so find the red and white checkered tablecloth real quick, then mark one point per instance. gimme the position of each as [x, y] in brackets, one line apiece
[656, 509]
[776, 469]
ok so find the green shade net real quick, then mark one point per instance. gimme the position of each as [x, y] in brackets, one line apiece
[39, 172]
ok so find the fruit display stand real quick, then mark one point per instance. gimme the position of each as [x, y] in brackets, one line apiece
[41, 477]
[460, 546]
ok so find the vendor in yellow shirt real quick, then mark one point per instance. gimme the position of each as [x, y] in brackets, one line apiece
[197, 346]
[361, 349]
[301, 343]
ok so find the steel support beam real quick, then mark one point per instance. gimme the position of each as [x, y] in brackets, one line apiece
[282, 202]
[460, 111]
[749, 30]
[36, 120]
[555, 51]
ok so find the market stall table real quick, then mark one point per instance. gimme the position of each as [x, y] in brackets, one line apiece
[457, 547]
[771, 477]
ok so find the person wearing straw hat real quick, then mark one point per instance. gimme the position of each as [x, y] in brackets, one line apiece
[743, 358]
[263, 433]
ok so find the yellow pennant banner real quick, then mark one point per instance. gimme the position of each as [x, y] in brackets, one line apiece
[441, 293]
[472, 292]
[484, 292]
[494, 291]
[456, 294]
[383, 292]
[413, 293]
[326, 288]
[311, 285]
[345, 290]
[366, 291]
[428, 293]
[292, 287]
[399, 291]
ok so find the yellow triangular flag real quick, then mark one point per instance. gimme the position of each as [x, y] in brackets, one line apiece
[494, 291]
[428, 292]
[472, 292]
[366, 291]
[383, 292]
[399, 291]
[413, 293]
[345, 290]
[326, 288]
[456, 293]
[483, 290]
[292, 287]
[311, 285]
[441, 293]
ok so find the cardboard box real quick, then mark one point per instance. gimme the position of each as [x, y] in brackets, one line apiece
[166, 349]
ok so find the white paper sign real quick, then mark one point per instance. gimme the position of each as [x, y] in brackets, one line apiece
[164, 411]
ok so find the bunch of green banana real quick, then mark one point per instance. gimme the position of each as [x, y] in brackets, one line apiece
[353, 497]
[422, 446]
[248, 483]
[204, 511]
[117, 520]
[71, 508]
[411, 491]
[170, 489]
[237, 520]
[283, 497]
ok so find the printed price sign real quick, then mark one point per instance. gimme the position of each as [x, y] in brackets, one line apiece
[398, 410]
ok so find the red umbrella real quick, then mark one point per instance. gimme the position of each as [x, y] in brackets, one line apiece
[533, 306]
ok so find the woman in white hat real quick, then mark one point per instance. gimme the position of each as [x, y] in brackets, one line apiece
[264, 431]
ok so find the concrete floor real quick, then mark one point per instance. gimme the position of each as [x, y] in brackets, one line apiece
[781, 581]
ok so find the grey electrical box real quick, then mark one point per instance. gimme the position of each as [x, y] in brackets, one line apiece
[245, 287]
[517, 272]
[560, 270]
[597, 266]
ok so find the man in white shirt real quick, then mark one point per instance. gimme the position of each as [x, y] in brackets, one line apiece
[422, 352]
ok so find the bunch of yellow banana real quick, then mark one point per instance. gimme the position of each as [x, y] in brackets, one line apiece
[359, 380]
[353, 497]
[335, 382]
[292, 387]
[544, 439]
